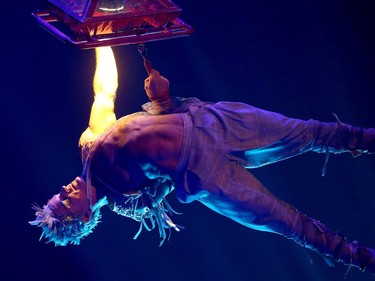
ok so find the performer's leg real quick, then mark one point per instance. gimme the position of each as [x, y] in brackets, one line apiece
[298, 136]
[237, 194]
[262, 137]
[294, 136]
[316, 236]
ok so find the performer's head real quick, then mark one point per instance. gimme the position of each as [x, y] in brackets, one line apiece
[156, 86]
[68, 216]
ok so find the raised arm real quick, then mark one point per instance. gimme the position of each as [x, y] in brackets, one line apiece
[102, 114]
[157, 87]
[157, 90]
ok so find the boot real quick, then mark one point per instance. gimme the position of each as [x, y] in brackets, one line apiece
[332, 246]
[354, 139]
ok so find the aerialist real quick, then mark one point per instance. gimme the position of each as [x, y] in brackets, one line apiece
[201, 150]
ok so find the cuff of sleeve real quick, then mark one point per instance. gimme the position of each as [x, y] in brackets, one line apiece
[158, 107]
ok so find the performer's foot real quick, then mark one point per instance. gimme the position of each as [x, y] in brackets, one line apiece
[358, 140]
[366, 258]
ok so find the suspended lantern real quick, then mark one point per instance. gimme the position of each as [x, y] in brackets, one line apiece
[95, 23]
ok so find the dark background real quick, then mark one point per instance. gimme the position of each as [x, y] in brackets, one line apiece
[305, 59]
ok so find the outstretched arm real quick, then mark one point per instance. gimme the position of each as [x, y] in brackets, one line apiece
[102, 114]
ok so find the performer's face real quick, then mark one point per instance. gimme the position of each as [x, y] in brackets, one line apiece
[72, 200]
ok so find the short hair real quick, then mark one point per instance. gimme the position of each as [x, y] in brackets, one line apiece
[68, 229]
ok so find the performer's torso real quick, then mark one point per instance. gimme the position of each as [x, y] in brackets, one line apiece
[152, 142]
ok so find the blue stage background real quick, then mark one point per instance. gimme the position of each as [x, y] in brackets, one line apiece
[305, 59]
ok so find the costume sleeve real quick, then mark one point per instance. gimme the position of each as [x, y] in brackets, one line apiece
[159, 108]
[173, 105]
